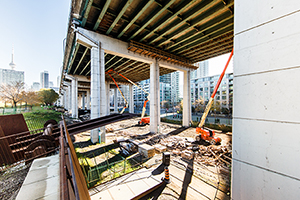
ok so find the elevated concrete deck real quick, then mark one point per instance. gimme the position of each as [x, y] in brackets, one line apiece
[42, 180]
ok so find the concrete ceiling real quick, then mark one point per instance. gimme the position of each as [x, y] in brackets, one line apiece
[187, 30]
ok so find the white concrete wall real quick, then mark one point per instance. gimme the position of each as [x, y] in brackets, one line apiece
[266, 115]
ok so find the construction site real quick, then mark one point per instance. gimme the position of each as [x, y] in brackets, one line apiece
[98, 153]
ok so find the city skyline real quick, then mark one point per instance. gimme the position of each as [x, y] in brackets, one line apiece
[37, 45]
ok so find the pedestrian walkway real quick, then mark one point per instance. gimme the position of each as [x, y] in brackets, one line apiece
[128, 186]
[42, 180]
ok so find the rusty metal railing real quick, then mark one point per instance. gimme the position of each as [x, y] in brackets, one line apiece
[24, 147]
[72, 181]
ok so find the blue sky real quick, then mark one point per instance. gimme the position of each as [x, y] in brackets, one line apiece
[36, 29]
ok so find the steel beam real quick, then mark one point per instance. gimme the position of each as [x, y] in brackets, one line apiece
[198, 48]
[196, 39]
[122, 11]
[200, 7]
[182, 6]
[122, 64]
[136, 16]
[113, 64]
[219, 10]
[150, 18]
[74, 52]
[86, 50]
[207, 30]
[86, 13]
[101, 15]
[87, 64]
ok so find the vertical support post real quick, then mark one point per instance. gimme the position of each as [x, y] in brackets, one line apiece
[186, 118]
[69, 98]
[115, 100]
[154, 80]
[95, 94]
[103, 105]
[79, 100]
[83, 100]
[131, 103]
[74, 97]
[88, 100]
[107, 87]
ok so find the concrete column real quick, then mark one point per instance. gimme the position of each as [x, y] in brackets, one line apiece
[80, 100]
[131, 103]
[154, 102]
[88, 100]
[103, 105]
[266, 119]
[74, 98]
[116, 100]
[69, 100]
[83, 100]
[186, 113]
[95, 94]
[107, 85]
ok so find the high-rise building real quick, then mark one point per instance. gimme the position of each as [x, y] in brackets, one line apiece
[35, 86]
[175, 88]
[44, 80]
[202, 88]
[201, 71]
[50, 84]
[8, 76]
[169, 90]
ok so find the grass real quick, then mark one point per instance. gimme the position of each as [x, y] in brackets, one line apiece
[38, 116]
[102, 172]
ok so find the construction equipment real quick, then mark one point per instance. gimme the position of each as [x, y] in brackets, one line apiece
[144, 120]
[126, 103]
[205, 133]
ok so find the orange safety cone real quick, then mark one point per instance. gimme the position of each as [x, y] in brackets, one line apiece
[167, 175]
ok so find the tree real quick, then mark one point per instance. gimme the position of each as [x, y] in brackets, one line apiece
[199, 105]
[165, 104]
[30, 98]
[47, 96]
[216, 107]
[12, 92]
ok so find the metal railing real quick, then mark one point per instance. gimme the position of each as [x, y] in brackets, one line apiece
[100, 172]
[72, 181]
[24, 147]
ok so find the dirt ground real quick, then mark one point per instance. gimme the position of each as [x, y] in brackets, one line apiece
[129, 129]
[11, 182]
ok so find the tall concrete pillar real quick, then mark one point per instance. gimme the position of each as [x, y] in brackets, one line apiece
[154, 101]
[186, 113]
[131, 103]
[103, 105]
[74, 98]
[88, 100]
[80, 100]
[95, 93]
[83, 100]
[69, 98]
[107, 85]
[116, 100]
[266, 119]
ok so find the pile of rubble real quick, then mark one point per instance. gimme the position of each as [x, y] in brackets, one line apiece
[187, 148]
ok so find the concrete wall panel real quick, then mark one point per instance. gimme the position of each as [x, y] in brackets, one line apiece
[267, 96]
[254, 183]
[270, 145]
[269, 47]
[258, 12]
